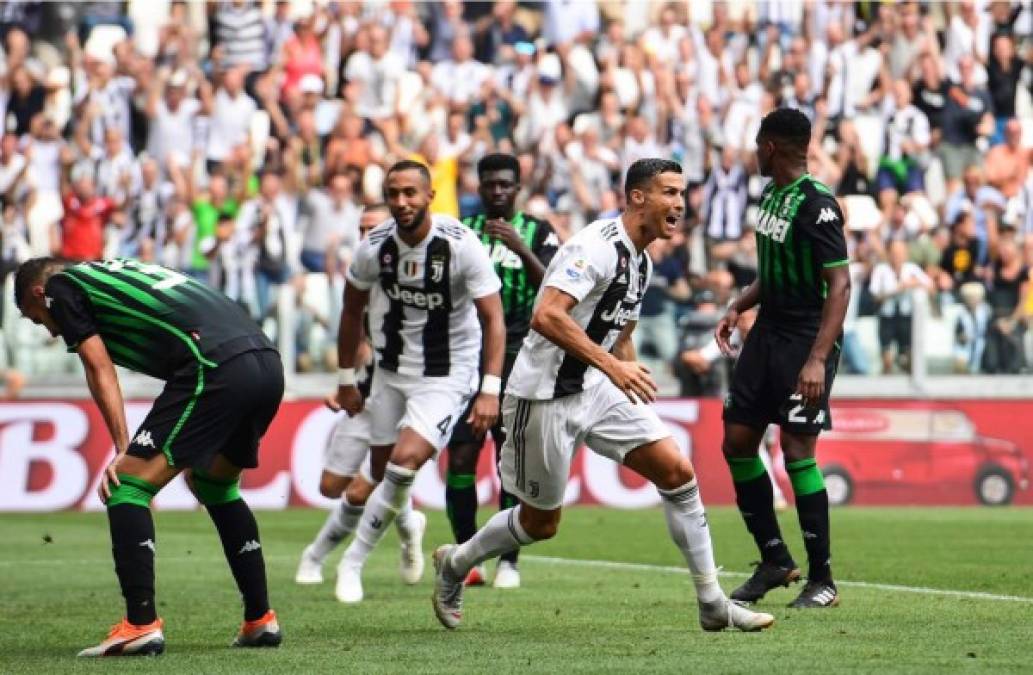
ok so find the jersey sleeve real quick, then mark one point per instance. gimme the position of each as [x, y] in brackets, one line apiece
[824, 223]
[576, 269]
[546, 243]
[71, 310]
[477, 269]
[362, 272]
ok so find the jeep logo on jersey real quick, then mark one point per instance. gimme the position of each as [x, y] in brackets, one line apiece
[774, 227]
[619, 315]
[416, 298]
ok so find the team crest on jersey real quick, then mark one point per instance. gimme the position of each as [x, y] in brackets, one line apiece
[437, 268]
[385, 259]
[410, 269]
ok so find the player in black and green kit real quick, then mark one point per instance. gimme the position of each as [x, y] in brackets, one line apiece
[788, 361]
[521, 247]
[223, 385]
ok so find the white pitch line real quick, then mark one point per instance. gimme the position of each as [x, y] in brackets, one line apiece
[568, 562]
[668, 569]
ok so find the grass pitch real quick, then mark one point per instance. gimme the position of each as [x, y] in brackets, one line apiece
[58, 594]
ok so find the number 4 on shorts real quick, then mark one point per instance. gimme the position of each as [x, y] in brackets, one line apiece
[443, 424]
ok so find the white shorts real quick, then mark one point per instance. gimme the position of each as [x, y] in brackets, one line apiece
[347, 451]
[544, 435]
[430, 406]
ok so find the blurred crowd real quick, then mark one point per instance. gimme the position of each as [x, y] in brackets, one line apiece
[238, 142]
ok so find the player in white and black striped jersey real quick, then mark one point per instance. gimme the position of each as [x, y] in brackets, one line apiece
[576, 380]
[430, 287]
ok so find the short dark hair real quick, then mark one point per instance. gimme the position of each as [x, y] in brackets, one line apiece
[33, 271]
[644, 170]
[498, 161]
[787, 124]
[409, 165]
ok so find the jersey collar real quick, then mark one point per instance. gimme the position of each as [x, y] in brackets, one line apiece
[635, 253]
[402, 246]
[793, 184]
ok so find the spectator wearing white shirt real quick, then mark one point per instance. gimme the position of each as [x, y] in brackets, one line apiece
[240, 35]
[460, 78]
[908, 137]
[967, 35]
[569, 20]
[329, 222]
[12, 167]
[892, 285]
[662, 40]
[172, 113]
[377, 73]
[230, 124]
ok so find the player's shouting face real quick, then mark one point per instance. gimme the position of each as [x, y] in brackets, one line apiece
[408, 196]
[663, 201]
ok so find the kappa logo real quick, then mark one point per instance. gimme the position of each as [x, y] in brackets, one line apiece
[143, 438]
[827, 215]
[250, 545]
[48, 301]
[149, 543]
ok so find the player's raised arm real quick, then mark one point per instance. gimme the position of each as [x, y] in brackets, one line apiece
[552, 320]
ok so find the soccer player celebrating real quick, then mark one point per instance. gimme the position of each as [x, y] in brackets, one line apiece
[346, 473]
[520, 246]
[223, 385]
[788, 361]
[427, 281]
[576, 381]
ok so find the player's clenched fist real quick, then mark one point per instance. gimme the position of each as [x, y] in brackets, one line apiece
[633, 379]
[347, 399]
[485, 412]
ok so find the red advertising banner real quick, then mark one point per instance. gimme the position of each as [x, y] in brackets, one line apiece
[878, 453]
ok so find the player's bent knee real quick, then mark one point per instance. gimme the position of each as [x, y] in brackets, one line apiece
[215, 491]
[676, 475]
[358, 492]
[332, 486]
[539, 525]
[131, 490]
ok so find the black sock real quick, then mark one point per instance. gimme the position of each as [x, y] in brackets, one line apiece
[132, 545]
[813, 512]
[755, 500]
[461, 504]
[243, 548]
[508, 501]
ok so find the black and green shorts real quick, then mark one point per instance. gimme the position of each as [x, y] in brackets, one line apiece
[203, 412]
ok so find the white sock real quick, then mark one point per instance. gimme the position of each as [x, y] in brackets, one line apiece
[384, 504]
[501, 534]
[404, 517]
[687, 523]
[340, 522]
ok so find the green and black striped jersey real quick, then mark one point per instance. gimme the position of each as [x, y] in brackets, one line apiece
[152, 320]
[799, 234]
[518, 293]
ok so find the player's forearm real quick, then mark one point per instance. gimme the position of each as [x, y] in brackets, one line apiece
[493, 344]
[624, 348]
[107, 393]
[349, 335]
[749, 299]
[833, 312]
[532, 265]
[557, 327]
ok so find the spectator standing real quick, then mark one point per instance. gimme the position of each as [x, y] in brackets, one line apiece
[967, 117]
[1009, 286]
[1007, 164]
[232, 112]
[892, 285]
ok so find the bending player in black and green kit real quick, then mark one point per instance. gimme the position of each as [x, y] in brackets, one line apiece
[788, 362]
[520, 247]
[223, 385]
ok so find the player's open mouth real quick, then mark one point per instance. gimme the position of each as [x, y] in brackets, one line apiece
[673, 220]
